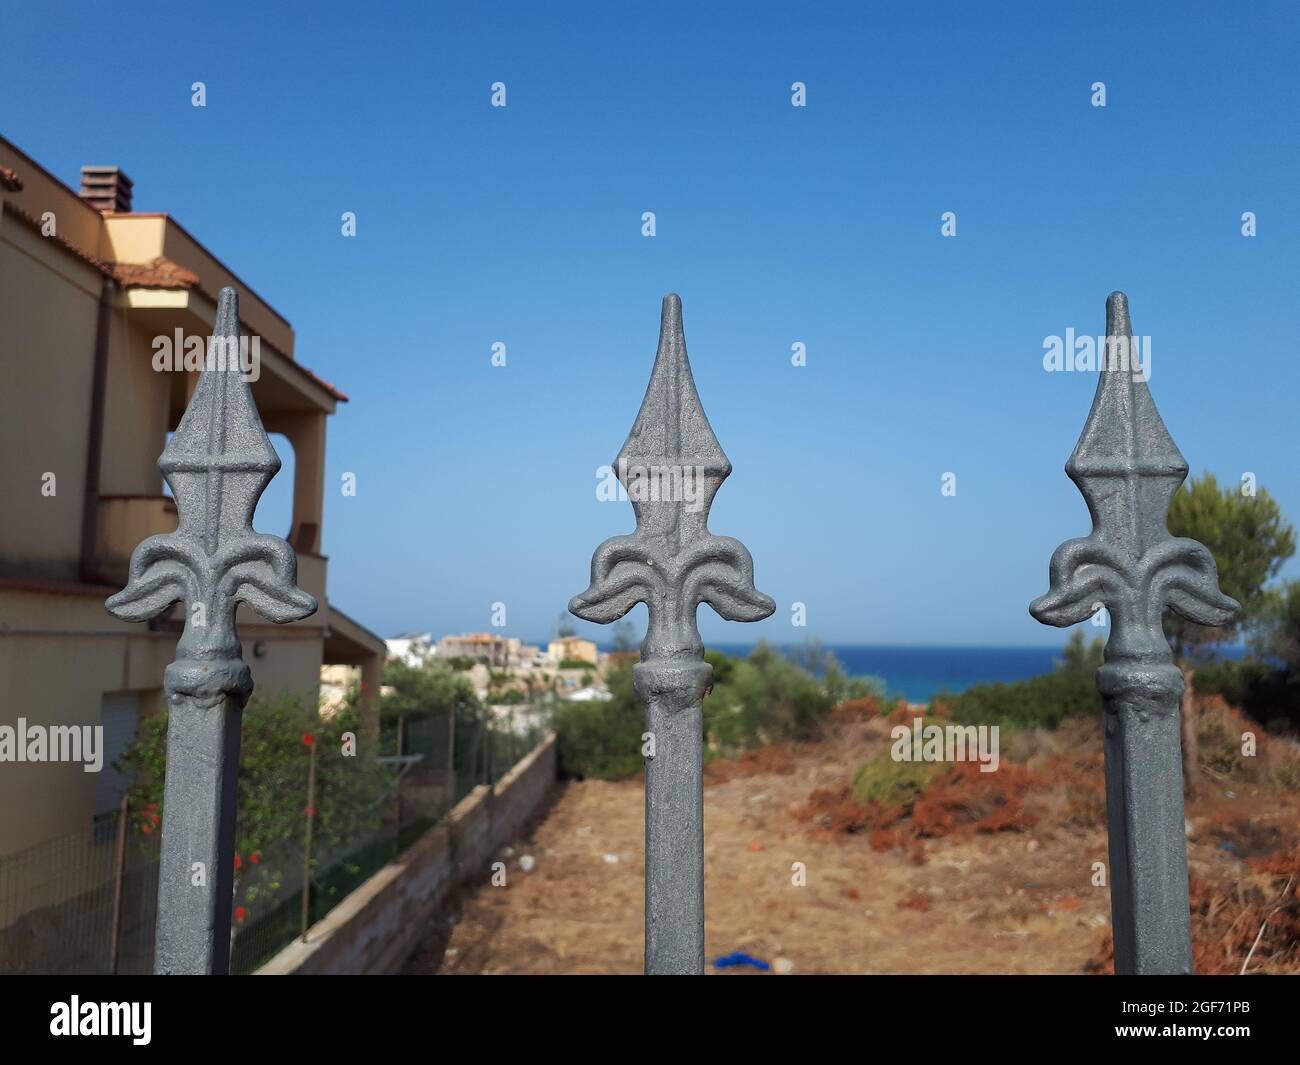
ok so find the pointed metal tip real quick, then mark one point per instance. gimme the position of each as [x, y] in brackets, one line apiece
[670, 317]
[1117, 320]
[227, 324]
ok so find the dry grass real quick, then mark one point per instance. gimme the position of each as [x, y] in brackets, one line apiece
[985, 873]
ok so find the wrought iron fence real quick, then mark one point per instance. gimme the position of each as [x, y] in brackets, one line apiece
[672, 563]
[87, 903]
[1127, 467]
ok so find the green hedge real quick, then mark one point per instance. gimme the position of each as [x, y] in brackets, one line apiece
[1268, 693]
[764, 698]
[1039, 702]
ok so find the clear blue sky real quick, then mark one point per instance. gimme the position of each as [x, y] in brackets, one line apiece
[776, 225]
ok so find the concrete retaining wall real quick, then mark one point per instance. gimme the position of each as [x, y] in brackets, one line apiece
[377, 927]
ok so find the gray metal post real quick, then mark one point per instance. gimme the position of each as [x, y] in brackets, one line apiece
[672, 466]
[218, 462]
[1128, 468]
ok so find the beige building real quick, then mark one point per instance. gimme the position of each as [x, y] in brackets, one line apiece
[87, 289]
[571, 649]
[486, 647]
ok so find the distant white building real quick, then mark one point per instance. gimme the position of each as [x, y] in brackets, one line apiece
[412, 648]
[587, 695]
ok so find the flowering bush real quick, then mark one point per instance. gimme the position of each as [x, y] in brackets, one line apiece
[275, 749]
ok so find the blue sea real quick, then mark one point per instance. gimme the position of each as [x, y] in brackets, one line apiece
[919, 673]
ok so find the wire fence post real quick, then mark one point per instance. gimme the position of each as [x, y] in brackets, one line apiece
[218, 462]
[672, 466]
[397, 803]
[309, 820]
[451, 757]
[1128, 468]
[119, 874]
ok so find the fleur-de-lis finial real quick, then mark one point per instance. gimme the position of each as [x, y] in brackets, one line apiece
[1128, 469]
[672, 466]
[218, 463]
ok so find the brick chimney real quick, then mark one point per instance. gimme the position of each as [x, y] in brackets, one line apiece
[106, 188]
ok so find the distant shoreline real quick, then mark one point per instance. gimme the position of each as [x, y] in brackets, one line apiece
[919, 672]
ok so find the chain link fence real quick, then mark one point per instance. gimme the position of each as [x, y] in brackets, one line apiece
[86, 903]
[82, 903]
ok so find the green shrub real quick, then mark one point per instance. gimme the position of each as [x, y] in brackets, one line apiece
[1286, 774]
[1267, 693]
[1039, 702]
[602, 738]
[273, 761]
[418, 692]
[765, 698]
[889, 782]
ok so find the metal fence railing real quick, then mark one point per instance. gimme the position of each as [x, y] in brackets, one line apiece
[87, 903]
[81, 903]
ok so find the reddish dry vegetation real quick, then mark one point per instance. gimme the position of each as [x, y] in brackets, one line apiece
[1258, 919]
[1255, 915]
[974, 873]
[775, 758]
[958, 801]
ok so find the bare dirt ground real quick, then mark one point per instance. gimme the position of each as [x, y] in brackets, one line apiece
[1012, 901]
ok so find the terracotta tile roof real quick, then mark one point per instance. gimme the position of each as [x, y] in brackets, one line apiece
[161, 273]
[340, 396]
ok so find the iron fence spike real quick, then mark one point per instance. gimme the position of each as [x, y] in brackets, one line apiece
[1128, 468]
[217, 463]
[672, 563]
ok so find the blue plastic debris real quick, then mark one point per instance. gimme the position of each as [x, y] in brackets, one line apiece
[729, 961]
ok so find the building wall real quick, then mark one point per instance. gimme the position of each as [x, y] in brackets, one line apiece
[60, 651]
[137, 402]
[49, 304]
[60, 654]
[572, 648]
[58, 676]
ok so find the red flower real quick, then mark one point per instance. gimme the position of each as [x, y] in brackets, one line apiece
[307, 739]
[238, 864]
[255, 857]
[146, 830]
[240, 913]
[153, 819]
